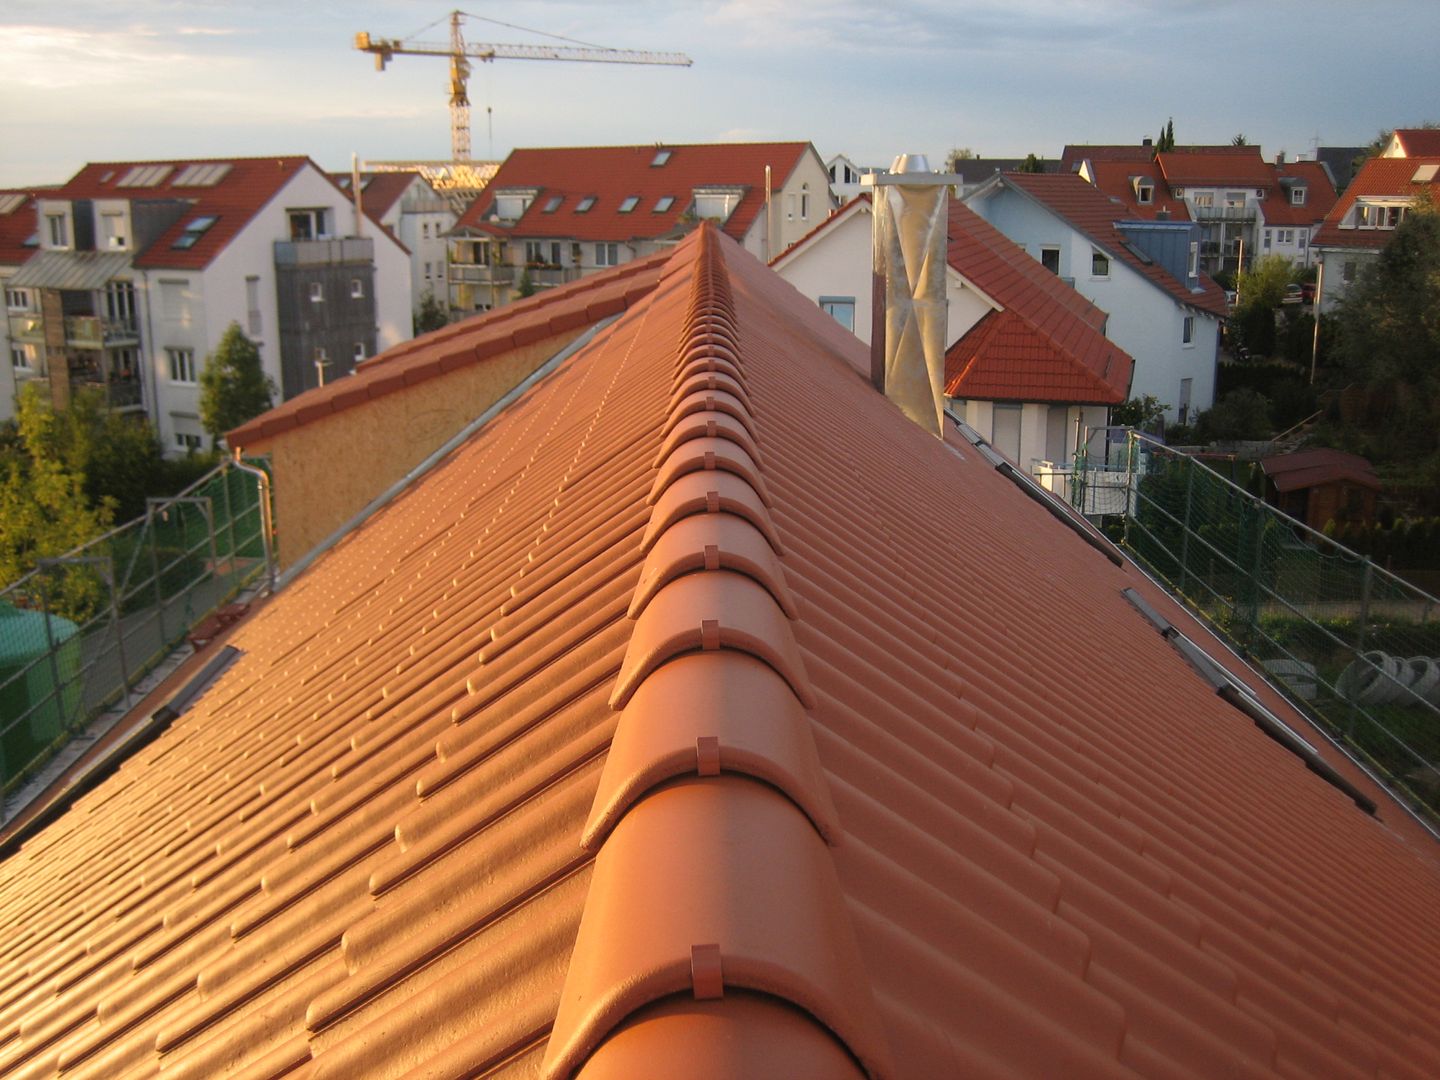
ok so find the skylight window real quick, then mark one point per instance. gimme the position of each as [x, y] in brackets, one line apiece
[584, 205]
[205, 174]
[660, 158]
[193, 231]
[10, 203]
[145, 176]
[1425, 174]
[629, 203]
[552, 204]
[663, 203]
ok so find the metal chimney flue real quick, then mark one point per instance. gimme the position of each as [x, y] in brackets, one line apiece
[909, 242]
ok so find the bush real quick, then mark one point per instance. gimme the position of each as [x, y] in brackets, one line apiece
[1240, 414]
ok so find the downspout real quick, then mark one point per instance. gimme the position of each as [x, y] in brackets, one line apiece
[154, 395]
[267, 525]
[769, 220]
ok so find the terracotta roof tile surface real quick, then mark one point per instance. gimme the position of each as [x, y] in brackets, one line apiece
[1419, 142]
[378, 190]
[612, 174]
[1117, 179]
[17, 226]
[1320, 195]
[471, 803]
[1377, 178]
[1004, 358]
[1241, 166]
[1095, 214]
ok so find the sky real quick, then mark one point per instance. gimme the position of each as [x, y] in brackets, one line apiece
[96, 80]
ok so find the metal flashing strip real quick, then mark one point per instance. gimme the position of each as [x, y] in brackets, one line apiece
[450, 445]
[142, 736]
[1242, 698]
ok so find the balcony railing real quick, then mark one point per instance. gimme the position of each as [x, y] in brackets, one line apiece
[27, 327]
[354, 250]
[93, 332]
[1224, 213]
[470, 274]
[547, 277]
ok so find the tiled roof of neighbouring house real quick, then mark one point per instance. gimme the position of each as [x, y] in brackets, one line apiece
[1307, 468]
[702, 716]
[19, 227]
[1403, 178]
[660, 179]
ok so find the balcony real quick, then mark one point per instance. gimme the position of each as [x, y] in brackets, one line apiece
[1238, 214]
[354, 251]
[27, 327]
[121, 392]
[471, 274]
[93, 332]
[547, 277]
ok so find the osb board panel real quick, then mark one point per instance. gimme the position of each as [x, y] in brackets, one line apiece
[328, 470]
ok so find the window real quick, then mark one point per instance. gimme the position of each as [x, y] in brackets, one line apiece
[629, 203]
[554, 252]
[22, 357]
[424, 230]
[1187, 387]
[357, 289]
[1235, 200]
[1194, 266]
[1187, 332]
[534, 252]
[187, 442]
[1099, 264]
[252, 304]
[17, 299]
[428, 274]
[311, 224]
[660, 158]
[120, 304]
[552, 204]
[663, 203]
[584, 205]
[1205, 199]
[841, 309]
[607, 254]
[1050, 259]
[1267, 239]
[359, 351]
[1347, 271]
[56, 228]
[1303, 239]
[1297, 196]
[112, 230]
[175, 300]
[1284, 236]
[317, 292]
[804, 202]
[1145, 194]
[182, 365]
[193, 231]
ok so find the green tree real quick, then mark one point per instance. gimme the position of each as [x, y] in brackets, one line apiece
[1142, 412]
[526, 286]
[1031, 164]
[431, 314]
[1240, 414]
[1263, 285]
[233, 388]
[1240, 140]
[957, 155]
[1166, 142]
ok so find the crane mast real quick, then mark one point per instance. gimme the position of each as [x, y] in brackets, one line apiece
[459, 52]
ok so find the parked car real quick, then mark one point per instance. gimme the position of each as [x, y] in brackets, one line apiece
[1294, 294]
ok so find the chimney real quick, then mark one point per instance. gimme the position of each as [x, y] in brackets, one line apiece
[1148, 143]
[1280, 158]
[909, 244]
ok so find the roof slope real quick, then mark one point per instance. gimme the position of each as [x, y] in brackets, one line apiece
[1419, 142]
[1096, 215]
[18, 226]
[1202, 166]
[1320, 195]
[378, 190]
[1307, 468]
[1377, 178]
[612, 174]
[779, 673]
[1115, 178]
[1050, 346]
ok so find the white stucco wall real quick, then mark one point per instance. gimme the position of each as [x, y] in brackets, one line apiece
[787, 221]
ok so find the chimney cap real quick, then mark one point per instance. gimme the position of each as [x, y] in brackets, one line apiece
[910, 163]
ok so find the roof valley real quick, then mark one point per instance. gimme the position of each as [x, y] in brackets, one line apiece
[714, 892]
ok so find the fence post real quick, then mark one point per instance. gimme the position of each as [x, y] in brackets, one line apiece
[50, 650]
[119, 632]
[1367, 579]
[208, 505]
[229, 509]
[155, 569]
[1185, 532]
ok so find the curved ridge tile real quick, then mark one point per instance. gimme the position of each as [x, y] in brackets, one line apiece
[709, 714]
[710, 380]
[708, 425]
[707, 885]
[711, 340]
[709, 493]
[746, 1035]
[711, 542]
[702, 365]
[706, 612]
[708, 455]
[709, 401]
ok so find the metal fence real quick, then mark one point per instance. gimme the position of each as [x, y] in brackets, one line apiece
[81, 630]
[1354, 646]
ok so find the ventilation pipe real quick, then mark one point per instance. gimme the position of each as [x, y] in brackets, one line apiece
[909, 247]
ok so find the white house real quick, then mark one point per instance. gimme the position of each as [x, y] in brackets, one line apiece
[419, 216]
[141, 267]
[1144, 275]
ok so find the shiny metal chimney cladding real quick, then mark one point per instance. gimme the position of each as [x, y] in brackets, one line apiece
[908, 245]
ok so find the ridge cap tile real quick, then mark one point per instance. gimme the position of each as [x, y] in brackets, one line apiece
[711, 542]
[709, 492]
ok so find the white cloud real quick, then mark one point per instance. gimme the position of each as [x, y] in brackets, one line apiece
[59, 58]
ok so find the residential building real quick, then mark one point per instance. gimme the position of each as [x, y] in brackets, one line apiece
[845, 177]
[976, 171]
[1341, 162]
[21, 342]
[141, 267]
[1363, 219]
[1413, 142]
[1028, 364]
[418, 216]
[701, 716]
[1144, 274]
[551, 216]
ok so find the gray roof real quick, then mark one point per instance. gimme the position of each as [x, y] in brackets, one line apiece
[77, 271]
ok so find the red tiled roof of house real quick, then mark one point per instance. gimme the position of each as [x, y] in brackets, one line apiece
[1236, 166]
[19, 225]
[685, 722]
[233, 200]
[1095, 214]
[474, 340]
[1075, 153]
[378, 190]
[1116, 179]
[1378, 177]
[1050, 347]
[1320, 195]
[1307, 468]
[1419, 142]
[612, 174]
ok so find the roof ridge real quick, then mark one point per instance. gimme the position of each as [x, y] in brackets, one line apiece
[713, 815]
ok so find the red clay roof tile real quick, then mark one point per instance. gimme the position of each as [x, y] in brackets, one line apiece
[359, 852]
[1377, 178]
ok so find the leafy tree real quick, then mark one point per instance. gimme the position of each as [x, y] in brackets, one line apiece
[233, 388]
[1263, 285]
[431, 315]
[1031, 164]
[1142, 412]
[1240, 414]
[957, 155]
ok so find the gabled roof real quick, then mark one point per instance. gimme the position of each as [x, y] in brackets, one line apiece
[1075, 153]
[18, 225]
[612, 174]
[1050, 346]
[379, 191]
[685, 722]
[1237, 166]
[1378, 178]
[1118, 180]
[1096, 215]
[1418, 142]
[244, 186]
[1308, 468]
[860, 203]
[1320, 194]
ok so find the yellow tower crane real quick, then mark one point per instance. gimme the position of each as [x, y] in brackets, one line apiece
[460, 51]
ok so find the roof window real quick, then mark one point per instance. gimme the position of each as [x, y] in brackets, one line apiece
[193, 231]
[10, 203]
[145, 175]
[629, 203]
[205, 174]
[584, 205]
[552, 204]
[1425, 174]
[660, 158]
[663, 203]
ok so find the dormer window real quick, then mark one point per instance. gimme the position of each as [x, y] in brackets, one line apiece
[629, 203]
[1297, 196]
[716, 204]
[511, 205]
[1144, 194]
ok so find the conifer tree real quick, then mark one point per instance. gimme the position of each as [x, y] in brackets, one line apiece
[233, 388]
